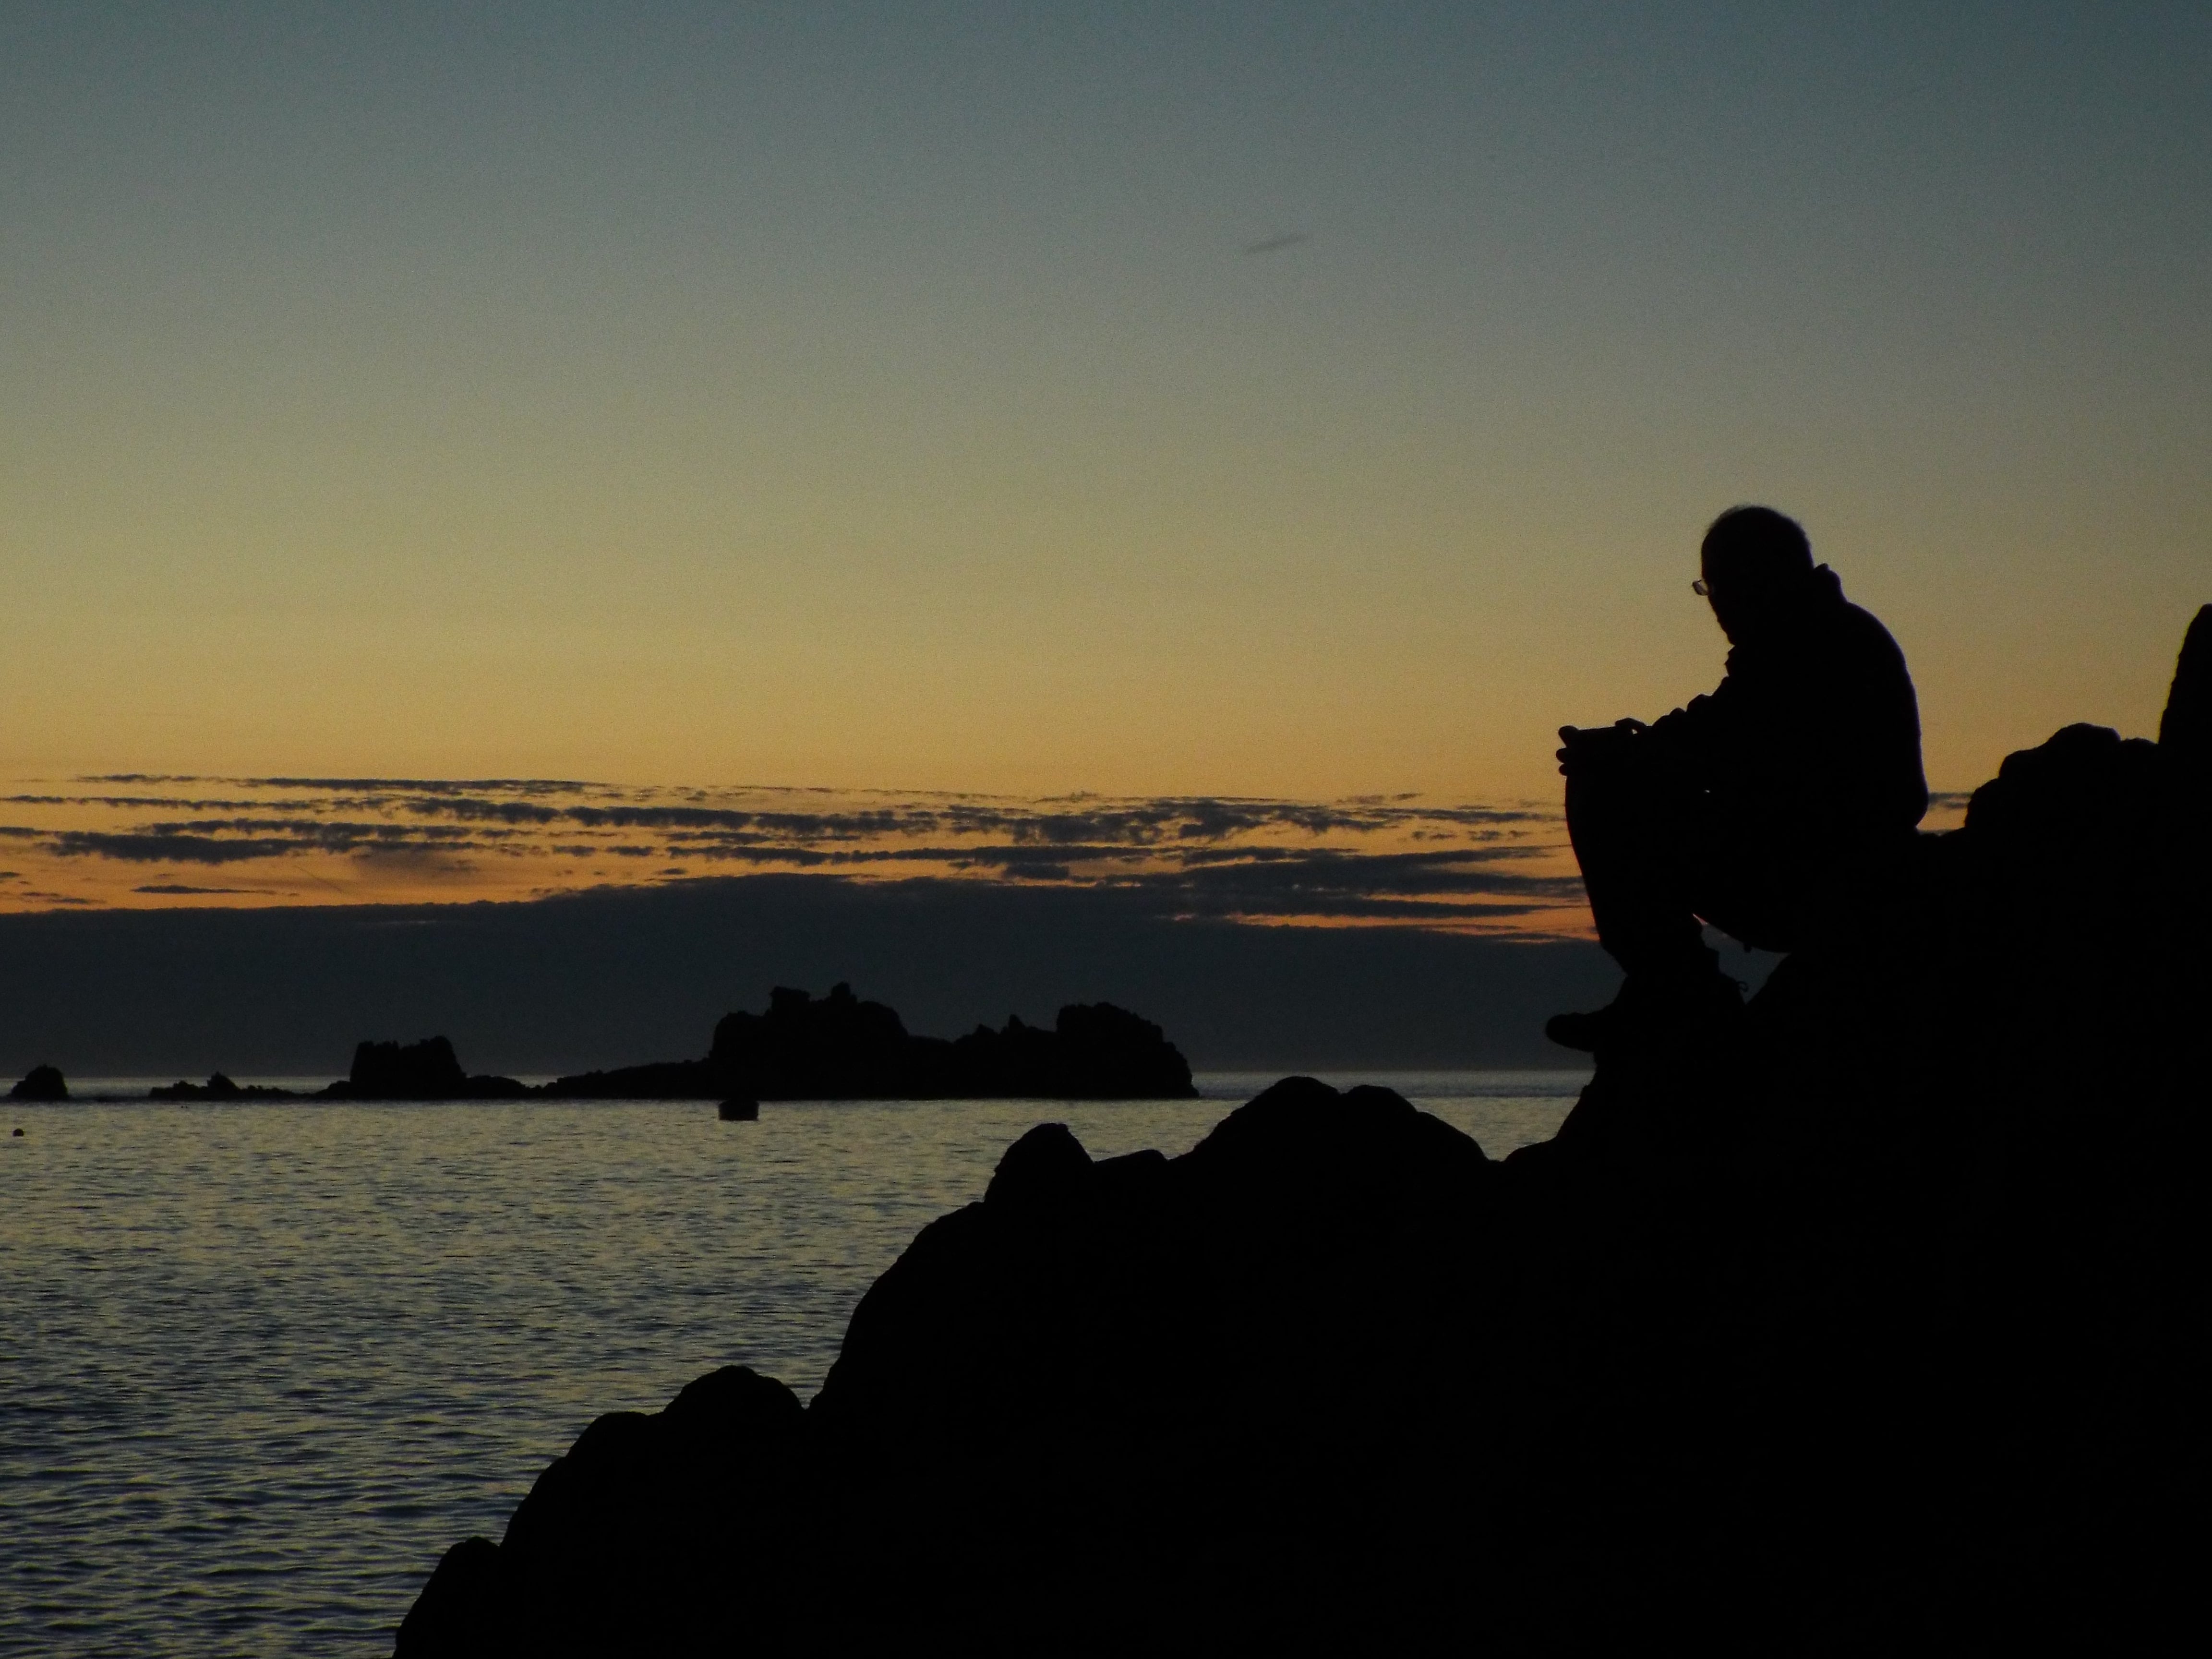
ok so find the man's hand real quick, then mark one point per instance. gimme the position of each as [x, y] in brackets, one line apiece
[1584, 748]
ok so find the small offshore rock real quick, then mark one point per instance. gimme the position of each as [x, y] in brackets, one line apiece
[41, 1082]
[739, 1108]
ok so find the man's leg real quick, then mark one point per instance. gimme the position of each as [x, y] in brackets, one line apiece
[1637, 833]
[1631, 830]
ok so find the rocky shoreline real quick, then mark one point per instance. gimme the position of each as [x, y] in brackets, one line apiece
[1875, 1320]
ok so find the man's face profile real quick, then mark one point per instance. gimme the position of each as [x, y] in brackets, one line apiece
[1750, 595]
[1726, 592]
[1753, 565]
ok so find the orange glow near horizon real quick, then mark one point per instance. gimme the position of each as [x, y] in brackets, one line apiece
[140, 842]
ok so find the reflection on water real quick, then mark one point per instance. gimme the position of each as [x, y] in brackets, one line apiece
[262, 1362]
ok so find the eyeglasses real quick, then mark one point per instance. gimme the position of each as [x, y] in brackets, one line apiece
[1701, 588]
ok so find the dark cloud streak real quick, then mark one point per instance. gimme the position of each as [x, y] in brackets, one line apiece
[1223, 857]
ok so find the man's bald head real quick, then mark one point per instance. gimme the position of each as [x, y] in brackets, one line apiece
[1755, 563]
[1758, 545]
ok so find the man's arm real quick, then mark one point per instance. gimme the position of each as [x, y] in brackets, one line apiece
[1693, 738]
[1585, 749]
[1697, 737]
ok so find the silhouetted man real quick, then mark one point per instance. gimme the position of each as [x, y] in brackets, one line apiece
[1767, 808]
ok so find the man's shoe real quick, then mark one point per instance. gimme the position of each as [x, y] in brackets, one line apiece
[1583, 1031]
[1654, 1004]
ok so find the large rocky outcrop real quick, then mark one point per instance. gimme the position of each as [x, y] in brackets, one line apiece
[1877, 1320]
[657, 1505]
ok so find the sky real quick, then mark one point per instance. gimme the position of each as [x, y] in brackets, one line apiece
[1277, 403]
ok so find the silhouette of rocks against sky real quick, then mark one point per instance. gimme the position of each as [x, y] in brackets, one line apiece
[1879, 1309]
[2186, 729]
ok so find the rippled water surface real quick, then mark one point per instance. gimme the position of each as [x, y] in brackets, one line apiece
[259, 1364]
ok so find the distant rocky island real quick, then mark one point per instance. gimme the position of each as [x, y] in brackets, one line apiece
[834, 1048]
[842, 1049]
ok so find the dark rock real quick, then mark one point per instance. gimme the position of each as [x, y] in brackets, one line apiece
[41, 1082]
[428, 1070]
[466, 1609]
[2186, 729]
[1046, 1166]
[1139, 1358]
[630, 1542]
[1880, 1310]
[738, 1109]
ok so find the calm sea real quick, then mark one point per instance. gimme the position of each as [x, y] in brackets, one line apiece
[259, 1364]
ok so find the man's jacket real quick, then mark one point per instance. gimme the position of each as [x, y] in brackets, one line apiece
[1814, 737]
